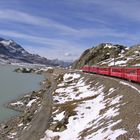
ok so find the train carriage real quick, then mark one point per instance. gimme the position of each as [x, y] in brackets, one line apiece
[94, 69]
[117, 72]
[132, 74]
[86, 69]
[104, 71]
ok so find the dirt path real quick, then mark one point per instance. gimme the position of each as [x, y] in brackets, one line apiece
[40, 122]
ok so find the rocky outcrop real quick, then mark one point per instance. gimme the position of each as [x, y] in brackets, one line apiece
[99, 53]
[34, 70]
[29, 106]
[107, 54]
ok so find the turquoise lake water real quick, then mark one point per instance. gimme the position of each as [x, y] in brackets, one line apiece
[14, 85]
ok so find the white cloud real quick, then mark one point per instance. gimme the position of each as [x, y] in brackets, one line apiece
[127, 9]
[57, 53]
[26, 18]
[48, 47]
[36, 39]
[67, 54]
[63, 30]
[60, 29]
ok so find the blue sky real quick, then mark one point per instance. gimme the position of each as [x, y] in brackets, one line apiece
[63, 29]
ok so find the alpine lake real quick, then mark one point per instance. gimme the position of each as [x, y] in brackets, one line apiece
[14, 85]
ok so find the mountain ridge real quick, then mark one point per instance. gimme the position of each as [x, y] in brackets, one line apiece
[107, 54]
[11, 52]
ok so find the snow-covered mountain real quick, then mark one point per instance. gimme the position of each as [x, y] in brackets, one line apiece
[107, 54]
[11, 52]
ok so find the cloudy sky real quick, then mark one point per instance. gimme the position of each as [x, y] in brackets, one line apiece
[63, 29]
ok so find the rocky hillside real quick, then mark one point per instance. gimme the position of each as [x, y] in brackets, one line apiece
[107, 54]
[11, 52]
[94, 107]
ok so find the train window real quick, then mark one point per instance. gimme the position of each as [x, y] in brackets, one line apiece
[104, 69]
[131, 71]
[116, 70]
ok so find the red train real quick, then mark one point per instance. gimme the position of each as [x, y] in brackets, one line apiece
[132, 74]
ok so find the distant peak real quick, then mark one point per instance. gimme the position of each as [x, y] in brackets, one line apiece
[5, 42]
[109, 46]
[105, 44]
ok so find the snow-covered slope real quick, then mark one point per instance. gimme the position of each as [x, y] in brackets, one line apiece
[89, 109]
[129, 57]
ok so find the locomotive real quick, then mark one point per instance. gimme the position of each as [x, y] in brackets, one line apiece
[128, 73]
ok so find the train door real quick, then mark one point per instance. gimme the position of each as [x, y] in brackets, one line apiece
[138, 74]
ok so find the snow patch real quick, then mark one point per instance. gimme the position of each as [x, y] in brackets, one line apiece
[60, 116]
[73, 92]
[137, 65]
[21, 124]
[127, 84]
[6, 42]
[17, 103]
[11, 135]
[109, 46]
[111, 90]
[30, 102]
[139, 128]
[116, 100]
[70, 77]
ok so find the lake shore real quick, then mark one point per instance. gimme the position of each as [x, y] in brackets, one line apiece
[35, 112]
